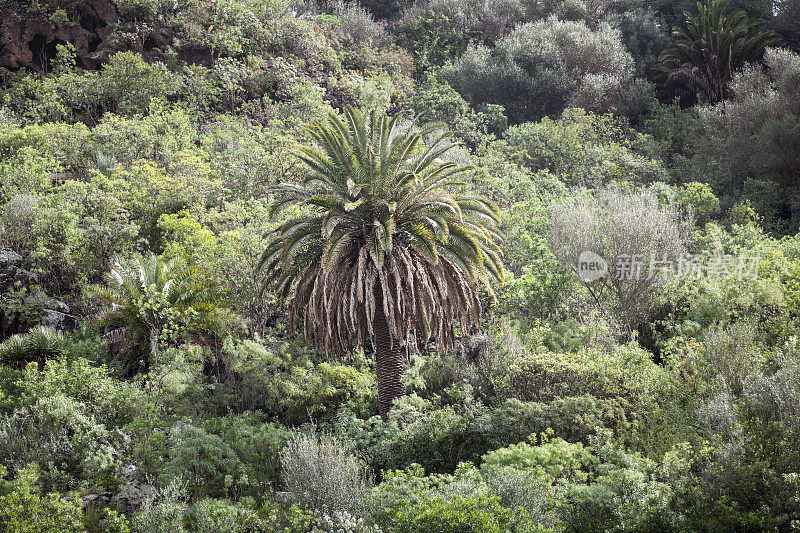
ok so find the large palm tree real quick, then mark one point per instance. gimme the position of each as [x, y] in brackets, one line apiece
[382, 250]
[150, 301]
[703, 56]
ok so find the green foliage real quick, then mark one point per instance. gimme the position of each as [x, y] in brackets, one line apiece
[23, 509]
[698, 199]
[542, 66]
[482, 514]
[433, 37]
[63, 439]
[585, 149]
[162, 512]
[204, 461]
[322, 474]
[255, 442]
[214, 515]
[556, 459]
[408, 501]
[540, 288]
[317, 393]
[436, 100]
[703, 57]
[153, 303]
[763, 110]
[111, 401]
[39, 344]
[127, 84]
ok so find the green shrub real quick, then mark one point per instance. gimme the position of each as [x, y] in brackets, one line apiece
[109, 400]
[297, 519]
[204, 461]
[257, 444]
[221, 516]
[440, 439]
[322, 474]
[408, 501]
[163, 512]
[586, 149]
[539, 67]
[482, 514]
[63, 440]
[23, 509]
[556, 459]
[317, 392]
[127, 84]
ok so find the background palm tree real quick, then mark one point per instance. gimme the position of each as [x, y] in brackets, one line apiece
[149, 301]
[703, 56]
[383, 251]
[39, 344]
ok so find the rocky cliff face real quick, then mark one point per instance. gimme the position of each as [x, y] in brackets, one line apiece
[29, 39]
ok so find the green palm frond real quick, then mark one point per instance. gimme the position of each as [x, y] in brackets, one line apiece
[40, 343]
[144, 294]
[703, 57]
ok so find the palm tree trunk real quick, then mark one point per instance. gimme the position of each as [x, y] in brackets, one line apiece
[388, 361]
[153, 346]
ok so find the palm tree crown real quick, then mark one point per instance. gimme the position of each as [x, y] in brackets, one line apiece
[381, 239]
[38, 344]
[703, 57]
[149, 300]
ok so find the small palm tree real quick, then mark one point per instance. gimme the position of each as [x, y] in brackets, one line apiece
[150, 301]
[703, 57]
[383, 251]
[39, 344]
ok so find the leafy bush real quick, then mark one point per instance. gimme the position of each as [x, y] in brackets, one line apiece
[221, 516]
[555, 459]
[453, 515]
[585, 149]
[315, 393]
[109, 400]
[299, 519]
[257, 444]
[65, 442]
[204, 461]
[541, 66]
[763, 112]
[617, 225]
[408, 501]
[321, 474]
[127, 84]
[23, 509]
[163, 512]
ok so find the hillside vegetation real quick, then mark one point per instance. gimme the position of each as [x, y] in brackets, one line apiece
[399, 266]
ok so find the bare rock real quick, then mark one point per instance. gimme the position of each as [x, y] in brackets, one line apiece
[29, 39]
[133, 494]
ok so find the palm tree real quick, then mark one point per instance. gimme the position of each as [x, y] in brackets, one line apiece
[151, 301]
[703, 57]
[382, 251]
[39, 344]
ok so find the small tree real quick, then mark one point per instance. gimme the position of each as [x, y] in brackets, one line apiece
[150, 301]
[619, 226]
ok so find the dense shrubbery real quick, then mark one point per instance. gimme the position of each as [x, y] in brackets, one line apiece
[149, 384]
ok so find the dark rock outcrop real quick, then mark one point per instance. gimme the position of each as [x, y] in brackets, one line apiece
[29, 39]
